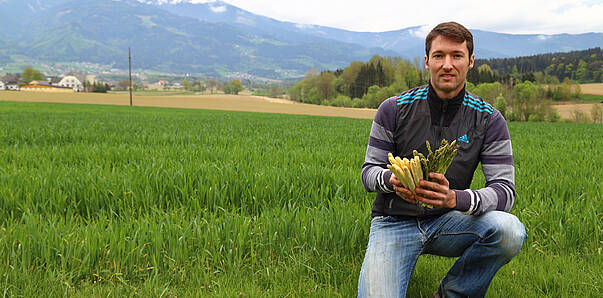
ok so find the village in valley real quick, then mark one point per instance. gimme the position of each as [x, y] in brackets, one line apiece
[33, 80]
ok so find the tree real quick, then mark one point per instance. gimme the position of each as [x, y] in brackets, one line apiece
[501, 105]
[186, 85]
[123, 84]
[29, 74]
[213, 84]
[198, 86]
[326, 86]
[488, 91]
[236, 86]
[233, 87]
[582, 73]
[527, 98]
[349, 77]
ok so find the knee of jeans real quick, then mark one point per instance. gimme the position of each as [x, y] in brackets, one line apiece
[509, 233]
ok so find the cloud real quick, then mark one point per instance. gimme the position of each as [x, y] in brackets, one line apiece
[509, 16]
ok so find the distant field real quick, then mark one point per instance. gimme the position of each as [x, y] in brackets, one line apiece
[566, 109]
[99, 201]
[596, 88]
[214, 102]
[228, 102]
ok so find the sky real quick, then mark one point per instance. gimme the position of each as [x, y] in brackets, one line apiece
[507, 16]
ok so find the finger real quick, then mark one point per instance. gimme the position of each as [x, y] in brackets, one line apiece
[429, 194]
[393, 180]
[435, 203]
[405, 194]
[433, 186]
[439, 177]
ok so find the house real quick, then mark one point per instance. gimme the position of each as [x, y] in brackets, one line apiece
[11, 81]
[74, 81]
[2, 86]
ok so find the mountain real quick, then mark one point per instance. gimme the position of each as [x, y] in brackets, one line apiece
[407, 42]
[218, 39]
[101, 31]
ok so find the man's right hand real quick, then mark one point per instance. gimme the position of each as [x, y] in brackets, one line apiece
[402, 191]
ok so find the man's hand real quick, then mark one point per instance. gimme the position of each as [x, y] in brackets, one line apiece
[402, 191]
[437, 194]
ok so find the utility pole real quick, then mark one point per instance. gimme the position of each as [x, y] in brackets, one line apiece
[130, 68]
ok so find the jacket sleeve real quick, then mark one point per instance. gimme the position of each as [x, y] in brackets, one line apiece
[375, 175]
[496, 157]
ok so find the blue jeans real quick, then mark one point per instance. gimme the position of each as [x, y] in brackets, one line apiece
[484, 244]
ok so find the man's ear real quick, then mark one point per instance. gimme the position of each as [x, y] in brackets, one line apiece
[471, 60]
[426, 62]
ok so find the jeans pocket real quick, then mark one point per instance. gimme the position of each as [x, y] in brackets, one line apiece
[383, 219]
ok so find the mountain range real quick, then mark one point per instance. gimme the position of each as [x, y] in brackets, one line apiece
[218, 39]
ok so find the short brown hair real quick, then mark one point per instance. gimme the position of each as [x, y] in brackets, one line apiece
[452, 30]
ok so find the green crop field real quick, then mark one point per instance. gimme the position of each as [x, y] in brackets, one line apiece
[132, 201]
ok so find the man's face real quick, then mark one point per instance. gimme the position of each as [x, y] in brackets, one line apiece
[448, 64]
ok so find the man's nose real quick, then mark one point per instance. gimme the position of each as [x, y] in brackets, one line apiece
[447, 63]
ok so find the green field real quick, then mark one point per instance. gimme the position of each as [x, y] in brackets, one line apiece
[590, 98]
[120, 201]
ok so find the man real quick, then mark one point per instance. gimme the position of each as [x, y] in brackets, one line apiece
[470, 224]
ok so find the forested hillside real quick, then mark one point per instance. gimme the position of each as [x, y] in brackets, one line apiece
[582, 66]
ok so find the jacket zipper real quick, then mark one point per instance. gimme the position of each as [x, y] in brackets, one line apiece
[444, 108]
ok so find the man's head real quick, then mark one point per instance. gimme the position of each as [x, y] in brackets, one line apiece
[449, 56]
[451, 30]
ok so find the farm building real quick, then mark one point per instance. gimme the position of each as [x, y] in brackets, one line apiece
[76, 81]
[40, 87]
[2, 86]
[10, 81]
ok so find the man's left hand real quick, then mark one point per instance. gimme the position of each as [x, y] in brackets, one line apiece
[437, 194]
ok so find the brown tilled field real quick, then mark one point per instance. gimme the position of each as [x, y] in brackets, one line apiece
[213, 102]
[228, 102]
[596, 88]
[566, 110]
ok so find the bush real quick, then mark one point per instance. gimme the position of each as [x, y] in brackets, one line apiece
[358, 103]
[552, 116]
[342, 101]
[597, 113]
[537, 117]
[580, 117]
[501, 105]
[511, 116]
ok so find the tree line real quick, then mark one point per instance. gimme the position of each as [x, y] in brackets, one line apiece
[520, 97]
[360, 84]
[583, 66]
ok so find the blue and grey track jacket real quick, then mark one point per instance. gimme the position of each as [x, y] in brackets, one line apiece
[403, 123]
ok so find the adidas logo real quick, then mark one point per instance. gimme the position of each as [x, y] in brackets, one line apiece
[464, 139]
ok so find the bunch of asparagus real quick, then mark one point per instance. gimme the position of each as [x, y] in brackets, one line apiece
[409, 172]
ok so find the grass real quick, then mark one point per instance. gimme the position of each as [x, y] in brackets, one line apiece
[134, 201]
[590, 98]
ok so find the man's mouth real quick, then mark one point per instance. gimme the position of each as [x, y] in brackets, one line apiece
[447, 76]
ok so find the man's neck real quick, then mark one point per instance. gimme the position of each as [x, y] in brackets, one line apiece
[447, 95]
